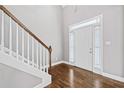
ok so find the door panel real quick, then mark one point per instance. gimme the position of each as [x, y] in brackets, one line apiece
[83, 47]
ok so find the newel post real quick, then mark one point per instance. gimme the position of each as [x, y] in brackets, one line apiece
[50, 51]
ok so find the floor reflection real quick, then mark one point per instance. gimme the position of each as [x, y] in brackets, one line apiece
[65, 76]
[71, 77]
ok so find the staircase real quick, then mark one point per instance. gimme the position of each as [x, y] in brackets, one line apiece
[21, 49]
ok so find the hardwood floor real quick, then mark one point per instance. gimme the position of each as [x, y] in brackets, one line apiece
[67, 76]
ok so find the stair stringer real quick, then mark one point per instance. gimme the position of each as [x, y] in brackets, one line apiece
[19, 65]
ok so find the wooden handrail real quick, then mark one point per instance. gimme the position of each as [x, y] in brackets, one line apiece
[22, 25]
[27, 30]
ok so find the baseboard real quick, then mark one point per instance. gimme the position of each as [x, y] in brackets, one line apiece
[115, 77]
[45, 82]
[57, 63]
[60, 62]
[42, 85]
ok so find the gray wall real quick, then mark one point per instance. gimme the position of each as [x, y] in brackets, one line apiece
[45, 22]
[113, 32]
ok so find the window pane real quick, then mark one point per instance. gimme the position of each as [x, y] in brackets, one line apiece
[97, 37]
[97, 46]
[71, 47]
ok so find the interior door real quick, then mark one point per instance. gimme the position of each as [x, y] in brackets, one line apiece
[84, 47]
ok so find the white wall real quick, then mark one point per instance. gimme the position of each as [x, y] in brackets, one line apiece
[113, 32]
[45, 22]
[13, 78]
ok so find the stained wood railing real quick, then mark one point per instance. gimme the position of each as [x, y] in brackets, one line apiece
[18, 41]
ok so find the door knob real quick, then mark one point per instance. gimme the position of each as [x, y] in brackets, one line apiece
[90, 48]
[90, 52]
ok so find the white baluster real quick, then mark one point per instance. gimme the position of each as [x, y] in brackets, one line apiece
[10, 42]
[37, 54]
[32, 51]
[23, 58]
[17, 41]
[28, 48]
[47, 60]
[38, 61]
[41, 58]
[2, 33]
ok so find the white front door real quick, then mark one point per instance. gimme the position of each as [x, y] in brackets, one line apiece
[86, 44]
[84, 47]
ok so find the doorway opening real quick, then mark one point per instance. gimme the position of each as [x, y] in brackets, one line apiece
[86, 44]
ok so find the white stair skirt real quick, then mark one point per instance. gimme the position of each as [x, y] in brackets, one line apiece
[17, 64]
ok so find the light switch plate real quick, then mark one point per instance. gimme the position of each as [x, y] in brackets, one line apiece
[108, 42]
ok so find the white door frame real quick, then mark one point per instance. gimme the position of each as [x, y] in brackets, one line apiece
[87, 22]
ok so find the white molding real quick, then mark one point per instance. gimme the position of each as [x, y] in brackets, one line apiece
[56, 63]
[115, 77]
[83, 23]
[46, 81]
[60, 62]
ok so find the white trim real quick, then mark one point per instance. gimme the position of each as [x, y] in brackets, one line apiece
[57, 63]
[115, 77]
[42, 85]
[28, 46]
[2, 32]
[10, 41]
[60, 62]
[46, 81]
[83, 23]
[17, 38]
[102, 60]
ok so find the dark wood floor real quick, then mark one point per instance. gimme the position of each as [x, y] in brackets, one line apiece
[67, 76]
